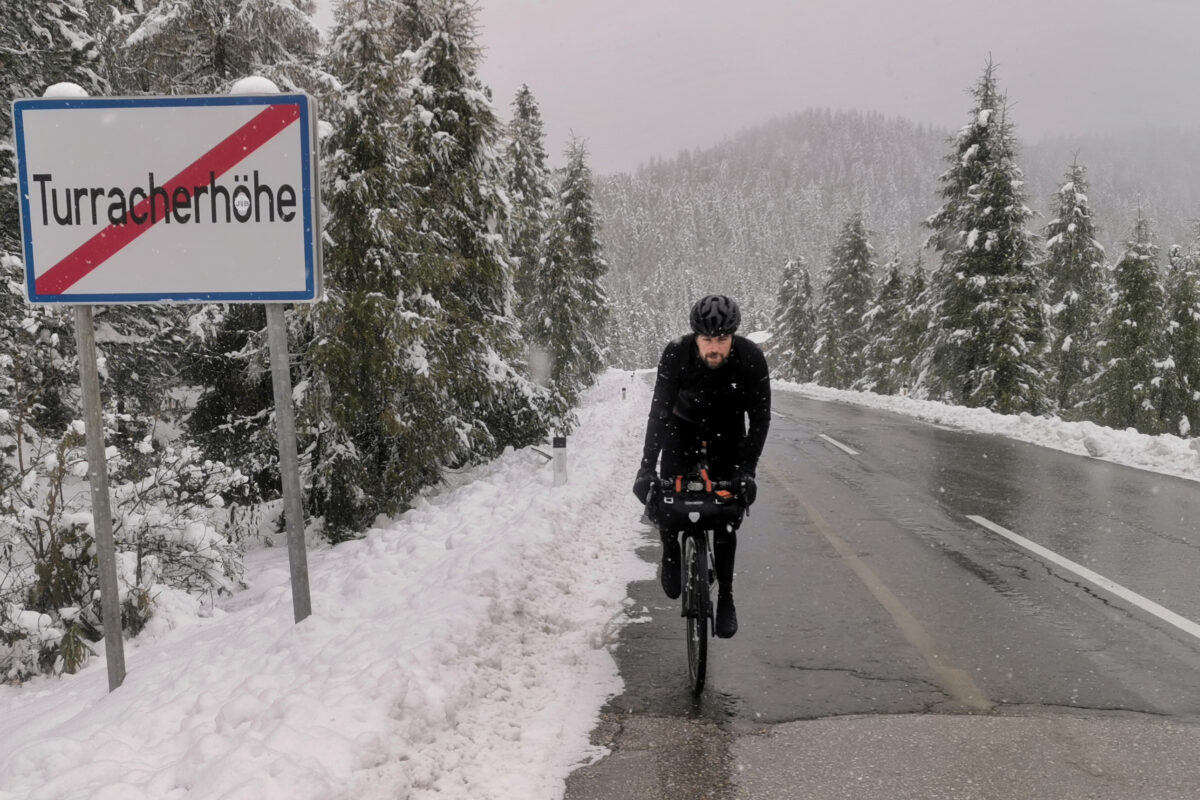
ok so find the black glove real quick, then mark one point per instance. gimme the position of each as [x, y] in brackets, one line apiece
[745, 486]
[642, 483]
[652, 498]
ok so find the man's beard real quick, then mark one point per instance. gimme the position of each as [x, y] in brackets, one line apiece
[708, 360]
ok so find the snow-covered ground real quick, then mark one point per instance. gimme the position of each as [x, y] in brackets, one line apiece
[458, 651]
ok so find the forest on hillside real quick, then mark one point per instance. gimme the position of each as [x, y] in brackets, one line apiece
[728, 218]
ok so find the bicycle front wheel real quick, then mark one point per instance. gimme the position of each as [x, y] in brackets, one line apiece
[696, 599]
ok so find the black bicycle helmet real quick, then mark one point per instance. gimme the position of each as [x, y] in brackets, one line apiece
[715, 315]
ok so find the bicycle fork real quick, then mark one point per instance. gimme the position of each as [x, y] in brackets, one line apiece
[698, 598]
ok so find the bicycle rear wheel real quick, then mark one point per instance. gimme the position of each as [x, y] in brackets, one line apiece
[696, 599]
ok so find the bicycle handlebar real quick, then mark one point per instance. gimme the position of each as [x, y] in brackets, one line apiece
[695, 484]
[721, 491]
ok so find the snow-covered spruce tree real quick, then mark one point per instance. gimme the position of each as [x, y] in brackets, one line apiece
[665, 299]
[458, 206]
[529, 191]
[233, 417]
[985, 343]
[1126, 391]
[621, 336]
[376, 398]
[577, 216]
[204, 46]
[914, 320]
[885, 371]
[846, 298]
[745, 286]
[568, 310]
[1077, 288]
[793, 332]
[40, 44]
[109, 23]
[635, 337]
[1181, 396]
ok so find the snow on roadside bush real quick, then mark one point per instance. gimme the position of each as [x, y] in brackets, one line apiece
[167, 526]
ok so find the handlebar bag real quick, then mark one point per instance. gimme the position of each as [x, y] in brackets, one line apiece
[692, 509]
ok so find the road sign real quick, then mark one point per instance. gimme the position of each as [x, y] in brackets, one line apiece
[168, 199]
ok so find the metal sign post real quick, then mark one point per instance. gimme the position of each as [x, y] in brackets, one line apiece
[106, 556]
[289, 466]
[285, 422]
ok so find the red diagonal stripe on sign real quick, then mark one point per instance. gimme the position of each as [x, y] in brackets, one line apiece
[219, 160]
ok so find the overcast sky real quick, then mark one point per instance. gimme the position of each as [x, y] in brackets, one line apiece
[645, 78]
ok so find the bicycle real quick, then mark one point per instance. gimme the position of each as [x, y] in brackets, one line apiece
[697, 507]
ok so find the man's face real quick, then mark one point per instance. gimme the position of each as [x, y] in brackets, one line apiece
[714, 349]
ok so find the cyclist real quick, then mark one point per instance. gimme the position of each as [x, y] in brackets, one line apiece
[708, 383]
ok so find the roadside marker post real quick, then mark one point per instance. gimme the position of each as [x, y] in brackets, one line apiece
[560, 460]
[196, 199]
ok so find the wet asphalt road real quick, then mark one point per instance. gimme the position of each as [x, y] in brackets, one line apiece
[891, 647]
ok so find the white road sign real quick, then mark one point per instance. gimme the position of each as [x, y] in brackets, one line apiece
[184, 199]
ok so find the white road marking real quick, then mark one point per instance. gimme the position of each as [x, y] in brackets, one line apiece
[838, 445]
[1165, 614]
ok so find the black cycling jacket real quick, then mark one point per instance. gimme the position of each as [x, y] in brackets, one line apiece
[694, 403]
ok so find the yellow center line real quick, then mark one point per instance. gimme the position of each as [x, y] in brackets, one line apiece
[957, 682]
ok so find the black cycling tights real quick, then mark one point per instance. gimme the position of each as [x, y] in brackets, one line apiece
[724, 551]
